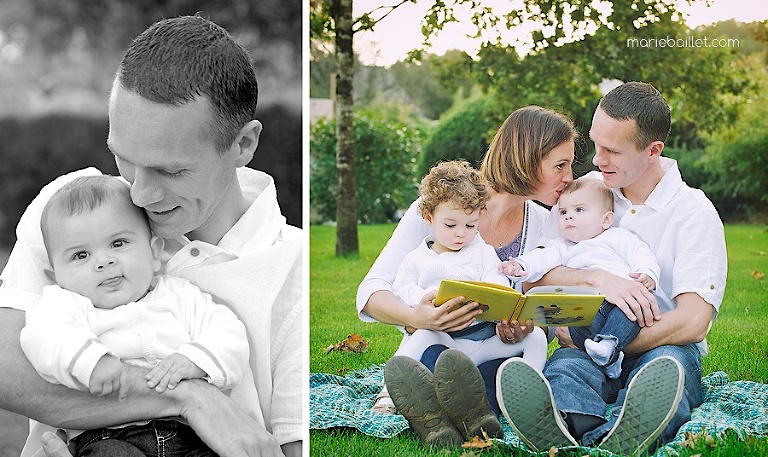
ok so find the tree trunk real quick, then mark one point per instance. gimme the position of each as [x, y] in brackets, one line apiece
[346, 203]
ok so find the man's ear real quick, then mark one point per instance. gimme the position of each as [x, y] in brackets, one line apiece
[655, 150]
[156, 244]
[607, 220]
[246, 143]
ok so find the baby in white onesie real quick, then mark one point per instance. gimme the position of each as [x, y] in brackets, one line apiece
[587, 240]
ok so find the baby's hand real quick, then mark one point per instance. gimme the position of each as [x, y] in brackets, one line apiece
[511, 268]
[645, 280]
[168, 373]
[108, 376]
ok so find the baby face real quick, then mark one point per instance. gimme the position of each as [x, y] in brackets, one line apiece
[105, 255]
[453, 227]
[581, 216]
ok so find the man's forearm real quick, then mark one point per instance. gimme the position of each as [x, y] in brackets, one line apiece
[564, 276]
[686, 324]
[23, 391]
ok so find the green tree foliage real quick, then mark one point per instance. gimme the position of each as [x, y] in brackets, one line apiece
[737, 155]
[423, 88]
[387, 143]
[463, 133]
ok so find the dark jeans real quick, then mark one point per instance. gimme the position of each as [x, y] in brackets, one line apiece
[610, 323]
[158, 438]
[487, 371]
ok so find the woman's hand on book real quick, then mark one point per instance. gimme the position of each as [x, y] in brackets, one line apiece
[448, 317]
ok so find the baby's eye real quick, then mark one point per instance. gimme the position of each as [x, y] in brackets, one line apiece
[470, 226]
[81, 255]
[119, 243]
[579, 210]
[562, 212]
[450, 225]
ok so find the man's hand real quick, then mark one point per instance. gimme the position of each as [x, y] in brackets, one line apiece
[631, 297]
[448, 317]
[168, 373]
[564, 337]
[108, 376]
[221, 424]
[512, 332]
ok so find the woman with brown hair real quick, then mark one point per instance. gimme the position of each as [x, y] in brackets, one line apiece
[528, 161]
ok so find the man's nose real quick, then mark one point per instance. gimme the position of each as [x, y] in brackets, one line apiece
[599, 158]
[144, 189]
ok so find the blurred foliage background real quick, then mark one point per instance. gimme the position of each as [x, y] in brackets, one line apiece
[456, 102]
[57, 63]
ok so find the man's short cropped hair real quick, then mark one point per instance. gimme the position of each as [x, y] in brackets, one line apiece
[513, 161]
[642, 103]
[84, 194]
[179, 59]
[454, 182]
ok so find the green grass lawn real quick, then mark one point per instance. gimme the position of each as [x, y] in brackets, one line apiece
[737, 341]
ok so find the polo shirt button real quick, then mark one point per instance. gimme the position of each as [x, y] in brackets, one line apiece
[195, 252]
[632, 211]
[711, 287]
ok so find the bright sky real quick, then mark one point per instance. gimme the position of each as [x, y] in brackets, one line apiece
[400, 32]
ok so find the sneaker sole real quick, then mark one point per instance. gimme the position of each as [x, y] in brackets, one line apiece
[526, 400]
[652, 399]
[460, 391]
[411, 387]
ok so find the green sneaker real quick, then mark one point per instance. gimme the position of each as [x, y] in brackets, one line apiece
[526, 400]
[411, 387]
[652, 399]
[460, 391]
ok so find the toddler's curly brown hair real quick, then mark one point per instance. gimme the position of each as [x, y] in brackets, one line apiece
[455, 182]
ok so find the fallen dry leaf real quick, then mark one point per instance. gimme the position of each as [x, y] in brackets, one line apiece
[757, 275]
[692, 438]
[552, 451]
[478, 443]
[353, 343]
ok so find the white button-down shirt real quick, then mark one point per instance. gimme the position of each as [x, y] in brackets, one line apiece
[685, 233]
[256, 269]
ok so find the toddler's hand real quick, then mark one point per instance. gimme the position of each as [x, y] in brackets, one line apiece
[108, 376]
[168, 373]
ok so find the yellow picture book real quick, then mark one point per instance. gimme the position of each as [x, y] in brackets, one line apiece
[546, 305]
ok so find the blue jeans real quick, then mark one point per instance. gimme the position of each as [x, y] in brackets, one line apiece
[610, 323]
[580, 386]
[487, 371]
[158, 438]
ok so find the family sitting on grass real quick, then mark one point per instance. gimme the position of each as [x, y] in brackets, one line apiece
[652, 245]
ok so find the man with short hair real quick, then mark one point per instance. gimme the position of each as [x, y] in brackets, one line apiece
[684, 231]
[182, 129]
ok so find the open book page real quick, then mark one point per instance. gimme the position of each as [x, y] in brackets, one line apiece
[547, 305]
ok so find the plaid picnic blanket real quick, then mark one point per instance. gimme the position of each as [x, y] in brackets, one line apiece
[346, 401]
